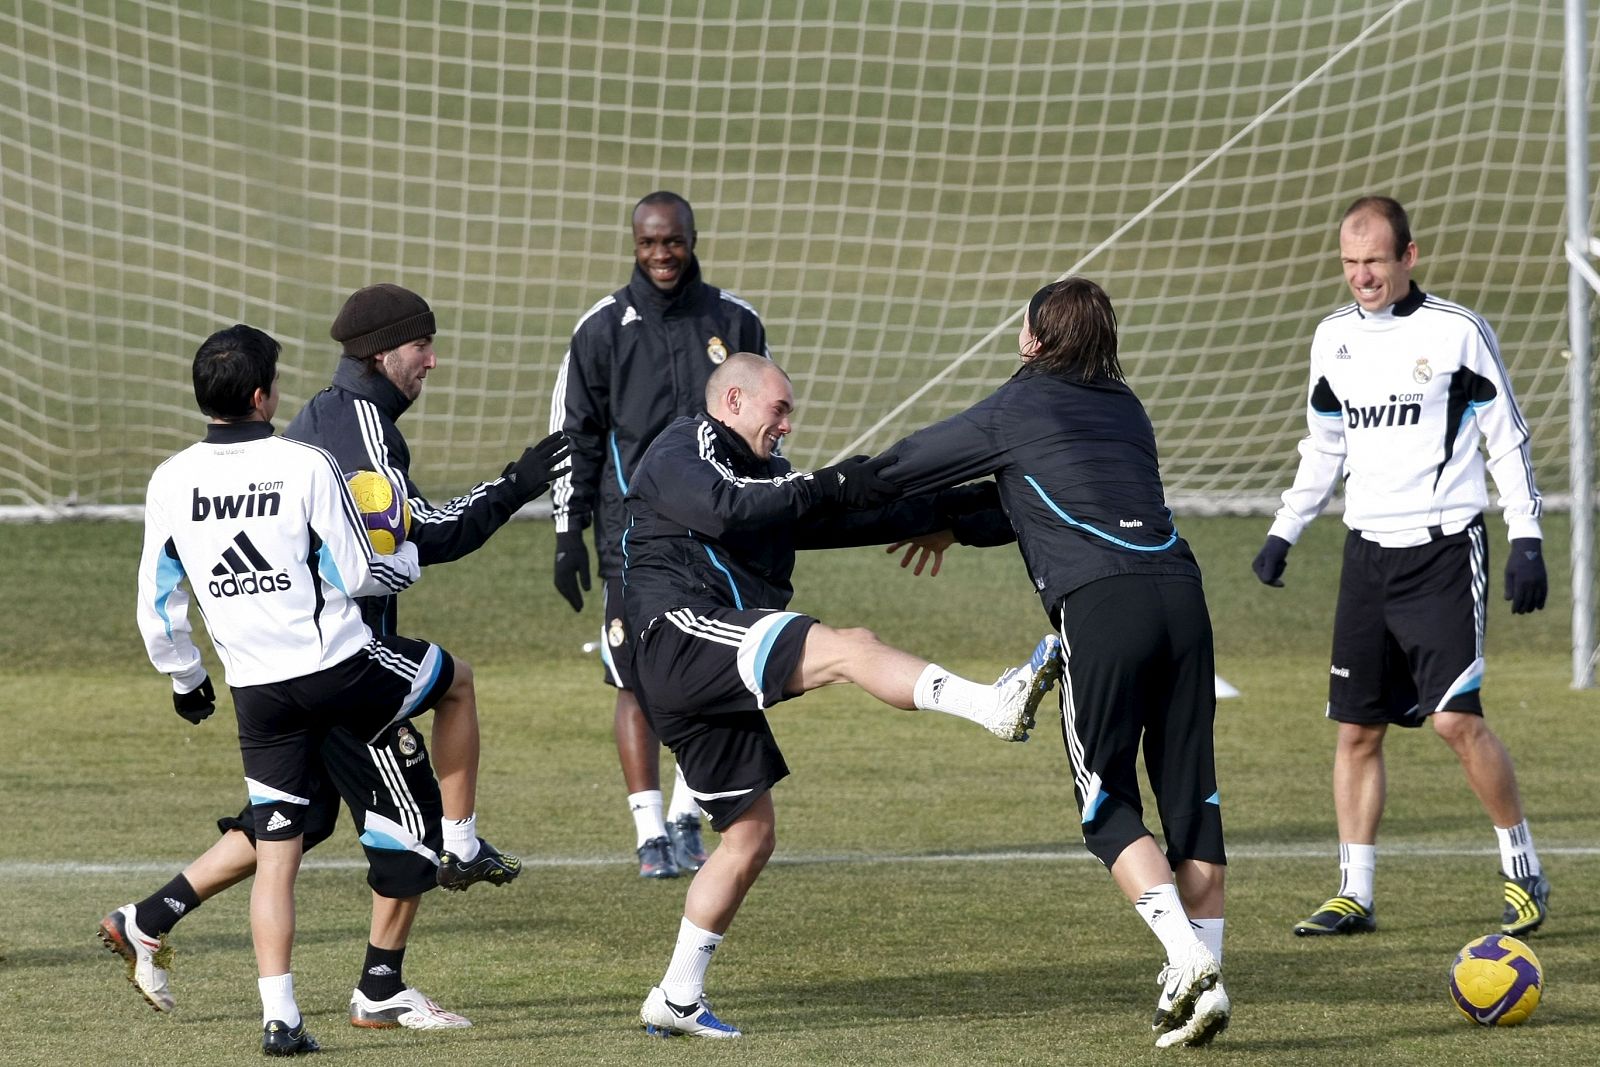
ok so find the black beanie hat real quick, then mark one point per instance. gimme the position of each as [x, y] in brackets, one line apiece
[379, 318]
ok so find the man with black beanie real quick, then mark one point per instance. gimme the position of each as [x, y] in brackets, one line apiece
[639, 359]
[386, 335]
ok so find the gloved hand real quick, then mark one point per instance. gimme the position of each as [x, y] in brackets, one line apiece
[534, 470]
[1527, 585]
[197, 704]
[1271, 560]
[572, 567]
[857, 482]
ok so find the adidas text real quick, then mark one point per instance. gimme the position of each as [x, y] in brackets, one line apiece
[250, 584]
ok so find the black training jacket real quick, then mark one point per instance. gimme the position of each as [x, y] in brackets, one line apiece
[638, 359]
[1078, 476]
[354, 419]
[713, 526]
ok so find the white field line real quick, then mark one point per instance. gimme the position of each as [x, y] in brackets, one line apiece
[35, 869]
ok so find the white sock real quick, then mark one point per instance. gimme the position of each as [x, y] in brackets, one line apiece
[1163, 912]
[461, 838]
[685, 980]
[939, 690]
[1517, 857]
[647, 822]
[277, 1000]
[1358, 864]
[682, 800]
[1209, 931]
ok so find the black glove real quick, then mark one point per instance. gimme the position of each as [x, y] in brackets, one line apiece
[1526, 582]
[572, 567]
[1271, 560]
[535, 469]
[197, 704]
[857, 482]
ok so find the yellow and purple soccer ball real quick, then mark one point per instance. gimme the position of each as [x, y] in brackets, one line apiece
[1496, 981]
[383, 508]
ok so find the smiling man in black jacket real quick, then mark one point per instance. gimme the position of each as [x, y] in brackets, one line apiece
[639, 359]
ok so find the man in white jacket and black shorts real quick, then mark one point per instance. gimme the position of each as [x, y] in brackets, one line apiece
[1404, 389]
[263, 532]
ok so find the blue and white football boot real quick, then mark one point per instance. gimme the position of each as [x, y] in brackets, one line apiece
[662, 1018]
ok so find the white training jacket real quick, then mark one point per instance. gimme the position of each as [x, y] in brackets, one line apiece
[1400, 401]
[274, 551]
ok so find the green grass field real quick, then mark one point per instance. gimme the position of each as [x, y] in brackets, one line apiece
[930, 901]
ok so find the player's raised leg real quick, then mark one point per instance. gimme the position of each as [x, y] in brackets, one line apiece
[467, 858]
[1007, 708]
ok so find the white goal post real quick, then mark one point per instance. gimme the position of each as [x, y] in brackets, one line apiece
[885, 180]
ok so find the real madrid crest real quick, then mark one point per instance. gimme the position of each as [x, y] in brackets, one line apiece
[406, 742]
[1422, 374]
[716, 352]
[614, 635]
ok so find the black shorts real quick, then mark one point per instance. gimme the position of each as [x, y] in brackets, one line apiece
[1140, 673]
[1408, 629]
[393, 797]
[616, 642]
[284, 726]
[704, 678]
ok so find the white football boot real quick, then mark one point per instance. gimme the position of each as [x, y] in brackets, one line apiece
[121, 934]
[1022, 688]
[407, 1008]
[662, 1018]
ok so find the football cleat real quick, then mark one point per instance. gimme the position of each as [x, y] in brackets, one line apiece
[407, 1008]
[1208, 1017]
[655, 859]
[1527, 904]
[687, 851]
[489, 865]
[1340, 915]
[148, 957]
[662, 1018]
[279, 1039]
[1182, 983]
[1022, 688]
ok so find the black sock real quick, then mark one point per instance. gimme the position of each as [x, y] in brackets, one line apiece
[380, 975]
[160, 911]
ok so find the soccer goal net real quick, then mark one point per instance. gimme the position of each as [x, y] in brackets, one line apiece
[887, 181]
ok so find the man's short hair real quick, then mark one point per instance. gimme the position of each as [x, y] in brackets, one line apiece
[664, 198]
[744, 369]
[1388, 209]
[229, 367]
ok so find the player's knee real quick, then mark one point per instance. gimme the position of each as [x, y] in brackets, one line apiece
[860, 635]
[1458, 728]
[760, 846]
[461, 693]
[1360, 740]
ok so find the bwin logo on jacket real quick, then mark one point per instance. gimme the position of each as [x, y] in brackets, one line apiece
[1402, 409]
[243, 571]
[260, 500]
